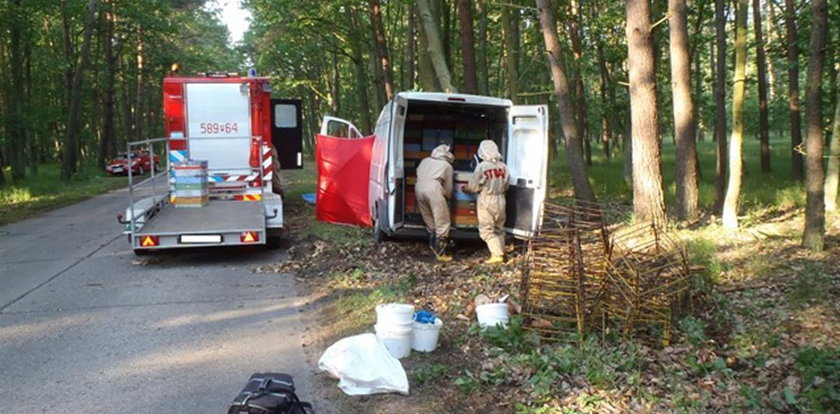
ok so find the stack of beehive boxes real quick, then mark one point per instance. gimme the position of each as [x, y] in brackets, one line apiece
[190, 188]
[464, 204]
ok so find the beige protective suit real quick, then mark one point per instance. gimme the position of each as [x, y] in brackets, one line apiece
[433, 188]
[490, 181]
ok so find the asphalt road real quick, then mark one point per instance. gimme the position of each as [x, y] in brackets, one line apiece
[87, 327]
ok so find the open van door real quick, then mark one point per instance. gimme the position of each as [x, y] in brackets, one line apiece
[527, 160]
[339, 128]
[287, 132]
[396, 162]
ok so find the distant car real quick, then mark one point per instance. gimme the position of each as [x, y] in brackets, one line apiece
[141, 162]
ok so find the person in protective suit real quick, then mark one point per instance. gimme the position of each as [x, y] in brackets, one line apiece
[433, 189]
[490, 181]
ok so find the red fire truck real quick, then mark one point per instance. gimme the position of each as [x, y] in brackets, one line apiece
[231, 123]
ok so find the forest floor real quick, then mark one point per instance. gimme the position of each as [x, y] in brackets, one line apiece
[764, 335]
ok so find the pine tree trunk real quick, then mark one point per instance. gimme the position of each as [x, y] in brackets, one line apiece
[138, 98]
[484, 72]
[510, 26]
[16, 132]
[832, 176]
[70, 150]
[435, 47]
[761, 63]
[425, 69]
[335, 86]
[107, 145]
[382, 49]
[648, 197]
[720, 105]
[736, 141]
[793, 89]
[771, 40]
[813, 236]
[410, 50]
[361, 90]
[467, 50]
[684, 132]
[577, 168]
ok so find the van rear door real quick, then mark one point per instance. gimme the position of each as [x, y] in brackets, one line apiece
[396, 162]
[527, 159]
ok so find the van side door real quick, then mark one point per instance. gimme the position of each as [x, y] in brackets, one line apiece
[287, 132]
[527, 161]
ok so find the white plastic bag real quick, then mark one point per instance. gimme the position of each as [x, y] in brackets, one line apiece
[364, 366]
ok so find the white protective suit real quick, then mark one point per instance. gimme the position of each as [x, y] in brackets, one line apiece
[490, 181]
[433, 188]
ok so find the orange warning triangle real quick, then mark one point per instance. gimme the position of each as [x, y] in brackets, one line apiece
[147, 241]
[249, 237]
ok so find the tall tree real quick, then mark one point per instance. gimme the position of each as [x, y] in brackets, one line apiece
[736, 141]
[793, 89]
[648, 197]
[434, 47]
[720, 105]
[467, 49]
[384, 61]
[70, 149]
[410, 53]
[108, 142]
[574, 158]
[687, 198]
[832, 176]
[483, 68]
[813, 236]
[510, 25]
[16, 99]
[761, 64]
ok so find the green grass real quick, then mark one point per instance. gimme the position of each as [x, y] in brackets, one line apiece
[759, 191]
[45, 191]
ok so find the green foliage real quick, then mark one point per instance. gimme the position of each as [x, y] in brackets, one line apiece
[467, 383]
[694, 330]
[430, 374]
[819, 370]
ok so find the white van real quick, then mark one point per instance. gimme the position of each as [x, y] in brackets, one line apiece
[413, 123]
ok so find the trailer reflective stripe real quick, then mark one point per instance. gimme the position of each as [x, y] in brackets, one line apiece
[268, 165]
[248, 197]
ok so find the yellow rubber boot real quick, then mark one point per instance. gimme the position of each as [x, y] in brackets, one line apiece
[444, 258]
[495, 260]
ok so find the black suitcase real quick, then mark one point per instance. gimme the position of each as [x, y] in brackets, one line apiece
[269, 393]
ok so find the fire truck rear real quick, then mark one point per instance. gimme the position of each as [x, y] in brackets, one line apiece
[232, 124]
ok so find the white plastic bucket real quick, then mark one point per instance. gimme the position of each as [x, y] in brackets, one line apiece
[397, 340]
[395, 315]
[426, 336]
[492, 314]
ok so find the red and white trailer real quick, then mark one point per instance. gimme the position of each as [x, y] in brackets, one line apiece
[233, 124]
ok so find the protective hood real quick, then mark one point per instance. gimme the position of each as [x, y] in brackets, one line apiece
[441, 152]
[488, 151]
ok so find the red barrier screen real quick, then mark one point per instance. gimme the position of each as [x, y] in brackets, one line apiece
[343, 179]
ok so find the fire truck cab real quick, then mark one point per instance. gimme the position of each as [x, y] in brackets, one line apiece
[232, 124]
